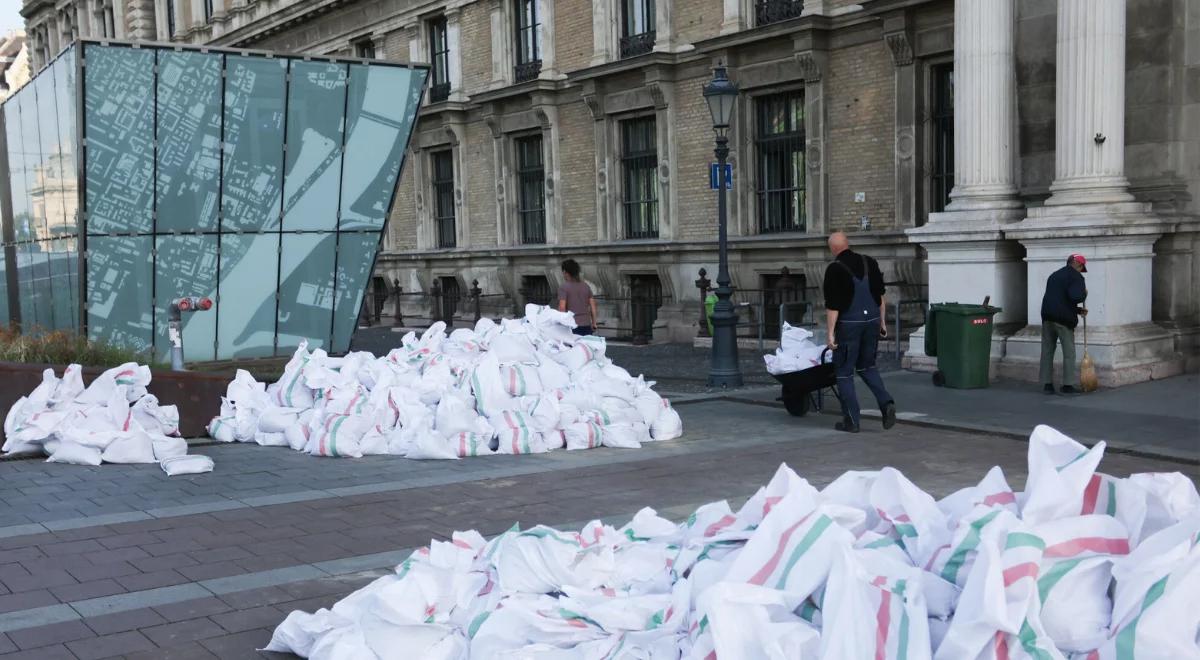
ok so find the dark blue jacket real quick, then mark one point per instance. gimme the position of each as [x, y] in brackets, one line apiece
[1065, 292]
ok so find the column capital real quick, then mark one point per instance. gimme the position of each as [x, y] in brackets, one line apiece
[900, 46]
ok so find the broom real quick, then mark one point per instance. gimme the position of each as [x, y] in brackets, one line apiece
[1087, 369]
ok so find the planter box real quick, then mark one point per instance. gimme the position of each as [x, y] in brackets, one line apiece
[197, 394]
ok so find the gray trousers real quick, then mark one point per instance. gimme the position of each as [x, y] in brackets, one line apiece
[1052, 333]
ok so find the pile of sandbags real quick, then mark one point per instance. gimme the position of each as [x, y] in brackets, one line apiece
[522, 386]
[797, 351]
[1078, 566]
[113, 420]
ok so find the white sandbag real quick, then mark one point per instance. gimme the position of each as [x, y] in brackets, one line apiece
[74, 454]
[297, 435]
[668, 426]
[515, 434]
[167, 447]
[520, 379]
[130, 448]
[621, 436]
[584, 435]
[338, 435]
[512, 349]
[223, 429]
[374, 442]
[456, 415]
[472, 444]
[277, 420]
[543, 413]
[1059, 472]
[649, 406]
[488, 388]
[265, 439]
[190, 464]
[430, 446]
[155, 418]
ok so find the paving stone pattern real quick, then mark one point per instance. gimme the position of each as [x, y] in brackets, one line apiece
[227, 555]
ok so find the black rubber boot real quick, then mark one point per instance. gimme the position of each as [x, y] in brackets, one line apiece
[889, 415]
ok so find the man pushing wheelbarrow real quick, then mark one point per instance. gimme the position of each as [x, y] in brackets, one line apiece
[855, 314]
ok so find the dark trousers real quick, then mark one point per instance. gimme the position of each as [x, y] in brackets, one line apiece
[857, 344]
[582, 330]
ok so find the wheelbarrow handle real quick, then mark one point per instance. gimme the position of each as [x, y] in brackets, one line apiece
[827, 350]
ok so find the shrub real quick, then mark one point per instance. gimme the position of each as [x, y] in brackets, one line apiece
[63, 347]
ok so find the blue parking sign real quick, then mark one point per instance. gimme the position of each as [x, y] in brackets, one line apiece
[712, 176]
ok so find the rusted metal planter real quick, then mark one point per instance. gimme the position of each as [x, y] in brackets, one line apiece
[198, 394]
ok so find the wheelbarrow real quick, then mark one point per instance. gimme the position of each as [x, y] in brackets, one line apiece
[804, 390]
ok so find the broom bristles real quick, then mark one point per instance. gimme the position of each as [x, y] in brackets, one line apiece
[1087, 375]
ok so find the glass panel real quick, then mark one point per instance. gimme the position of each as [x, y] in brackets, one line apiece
[120, 303]
[25, 286]
[246, 308]
[4, 318]
[61, 285]
[189, 136]
[33, 225]
[375, 142]
[316, 118]
[16, 166]
[254, 114]
[43, 304]
[356, 256]
[306, 290]
[185, 265]
[72, 263]
[65, 100]
[118, 100]
[49, 183]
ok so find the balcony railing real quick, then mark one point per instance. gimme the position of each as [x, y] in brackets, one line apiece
[439, 92]
[527, 71]
[637, 44]
[774, 11]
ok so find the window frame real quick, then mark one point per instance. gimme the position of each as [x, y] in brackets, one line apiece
[442, 198]
[365, 49]
[439, 60]
[170, 7]
[941, 117]
[639, 42]
[208, 11]
[530, 176]
[527, 56]
[639, 170]
[779, 148]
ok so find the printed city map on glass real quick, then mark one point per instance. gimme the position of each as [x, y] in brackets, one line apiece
[139, 174]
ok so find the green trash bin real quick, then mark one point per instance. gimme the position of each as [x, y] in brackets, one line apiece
[709, 303]
[960, 337]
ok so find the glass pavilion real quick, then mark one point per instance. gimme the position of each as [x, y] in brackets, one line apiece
[139, 173]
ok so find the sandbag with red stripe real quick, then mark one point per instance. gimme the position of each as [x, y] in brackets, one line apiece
[873, 608]
[515, 434]
[1059, 472]
[338, 435]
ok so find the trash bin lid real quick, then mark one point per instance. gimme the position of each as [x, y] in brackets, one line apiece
[965, 309]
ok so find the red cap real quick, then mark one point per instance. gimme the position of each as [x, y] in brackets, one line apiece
[1078, 258]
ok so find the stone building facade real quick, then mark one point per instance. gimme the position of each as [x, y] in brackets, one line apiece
[576, 128]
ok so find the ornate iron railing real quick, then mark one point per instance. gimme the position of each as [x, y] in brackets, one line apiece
[439, 92]
[527, 70]
[774, 11]
[637, 44]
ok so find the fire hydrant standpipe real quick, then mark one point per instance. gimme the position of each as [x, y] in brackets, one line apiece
[175, 325]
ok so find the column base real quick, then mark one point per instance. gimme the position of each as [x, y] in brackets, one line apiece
[1123, 355]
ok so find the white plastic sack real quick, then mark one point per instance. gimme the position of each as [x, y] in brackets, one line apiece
[74, 454]
[190, 464]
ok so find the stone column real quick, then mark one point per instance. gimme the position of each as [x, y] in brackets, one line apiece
[549, 41]
[1090, 210]
[454, 65]
[602, 32]
[969, 256]
[1089, 144]
[501, 52]
[733, 18]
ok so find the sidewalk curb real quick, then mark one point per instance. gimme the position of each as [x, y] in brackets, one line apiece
[1115, 447]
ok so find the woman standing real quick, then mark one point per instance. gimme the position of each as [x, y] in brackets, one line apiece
[575, 296]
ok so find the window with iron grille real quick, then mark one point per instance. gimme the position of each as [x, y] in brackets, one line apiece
[443, 197]
[536, 290]
[364, 49]
[531, 191]
[639, 163]
[774, 11]
[779, 147]
[943, 136]
[529, 41]
[208, 10]
[439, 57]
[637, 32]
[170, 9]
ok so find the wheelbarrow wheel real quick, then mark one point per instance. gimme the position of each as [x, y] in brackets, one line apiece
[939, 378]
[797, 403]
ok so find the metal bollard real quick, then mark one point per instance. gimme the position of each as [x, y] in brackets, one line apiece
[703, 283]
[399, 292]
[475, 293]
[175, 325]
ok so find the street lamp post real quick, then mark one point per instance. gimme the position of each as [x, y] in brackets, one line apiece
[721, 96]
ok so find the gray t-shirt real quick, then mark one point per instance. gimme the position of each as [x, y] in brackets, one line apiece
[577, 295]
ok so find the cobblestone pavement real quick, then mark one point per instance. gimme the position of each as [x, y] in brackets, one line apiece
[121, 561]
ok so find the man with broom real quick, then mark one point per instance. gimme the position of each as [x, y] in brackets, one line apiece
[1062, 304]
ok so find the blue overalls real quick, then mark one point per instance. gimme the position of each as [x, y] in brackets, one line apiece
[857, 337]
